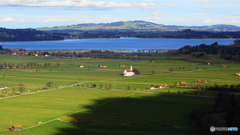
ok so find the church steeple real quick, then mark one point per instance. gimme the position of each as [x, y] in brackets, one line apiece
[131, 67]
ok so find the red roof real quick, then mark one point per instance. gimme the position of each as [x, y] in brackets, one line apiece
[129, 70]
[83, 57]
[17, 126]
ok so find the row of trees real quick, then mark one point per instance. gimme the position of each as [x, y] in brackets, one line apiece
[21, 89]
[101, 86]
[30, 64]
[187, 34]
[28, 35]
[214, 87]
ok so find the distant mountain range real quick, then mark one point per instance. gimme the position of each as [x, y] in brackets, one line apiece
[139, 26]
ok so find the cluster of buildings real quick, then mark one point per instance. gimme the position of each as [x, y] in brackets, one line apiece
[200, 81]
[20, 52]
[158, 86]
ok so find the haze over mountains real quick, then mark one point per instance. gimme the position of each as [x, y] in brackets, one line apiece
[140, 26]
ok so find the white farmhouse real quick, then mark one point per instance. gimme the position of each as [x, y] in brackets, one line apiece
[128, 72]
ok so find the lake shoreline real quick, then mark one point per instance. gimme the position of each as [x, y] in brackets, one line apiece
[112, 44]
[107, 51]
[118, 38]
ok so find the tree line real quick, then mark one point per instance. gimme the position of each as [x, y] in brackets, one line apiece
[186, 34]
[28, 35]
[231, 52]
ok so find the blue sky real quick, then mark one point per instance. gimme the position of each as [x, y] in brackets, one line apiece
[48, 13]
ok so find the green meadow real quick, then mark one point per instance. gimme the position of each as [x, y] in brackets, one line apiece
[117, 105]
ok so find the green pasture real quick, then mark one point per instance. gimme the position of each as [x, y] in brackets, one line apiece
[101, 112]
[64, 72]
[118, 110]
[29, 109]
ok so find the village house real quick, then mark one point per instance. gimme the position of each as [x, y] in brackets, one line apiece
[15, 52]
[81, 66]
[204, 81]
[183, 83]
[84, 58]
[2, 66]
[207, 63]
[198, 81]
[16, 128]
[102, 66]
[128, 72]
[238, 74]
[158, 86]
[151, 88]
[121, 65]
[13, 67]
[34, 54]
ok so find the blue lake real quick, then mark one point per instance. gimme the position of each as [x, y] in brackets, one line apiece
[111, 44]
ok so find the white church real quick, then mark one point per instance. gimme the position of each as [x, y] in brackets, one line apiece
[128, 72]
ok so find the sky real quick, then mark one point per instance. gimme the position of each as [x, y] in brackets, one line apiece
[49, 13]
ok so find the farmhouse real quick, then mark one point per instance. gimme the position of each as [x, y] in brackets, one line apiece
[183, 83]
[204, 81]
[16, 128]
[84, 58]
[158, 86]
[121, 65]
[2, 66]
[128, 72]
[81, 66]
[207, 63]
[198, 81]
[238, 74]
[102, 66]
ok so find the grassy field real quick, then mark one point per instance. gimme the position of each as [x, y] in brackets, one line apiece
[118, 111]
[100, 110]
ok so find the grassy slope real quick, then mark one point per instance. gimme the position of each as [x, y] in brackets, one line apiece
[136, 109]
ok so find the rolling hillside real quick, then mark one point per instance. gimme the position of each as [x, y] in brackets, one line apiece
[140, 26]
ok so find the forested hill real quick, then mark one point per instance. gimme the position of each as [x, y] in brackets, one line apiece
[28, 35]
[143, 29]
[230, 52]
[140, 26]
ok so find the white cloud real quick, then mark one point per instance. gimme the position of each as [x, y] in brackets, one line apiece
[205, 2]
[221, 21]
[72, 3]
[56, 20]
[169, 5]
[9, 19]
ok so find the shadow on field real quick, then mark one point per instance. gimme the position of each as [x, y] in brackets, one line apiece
[148, 115]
